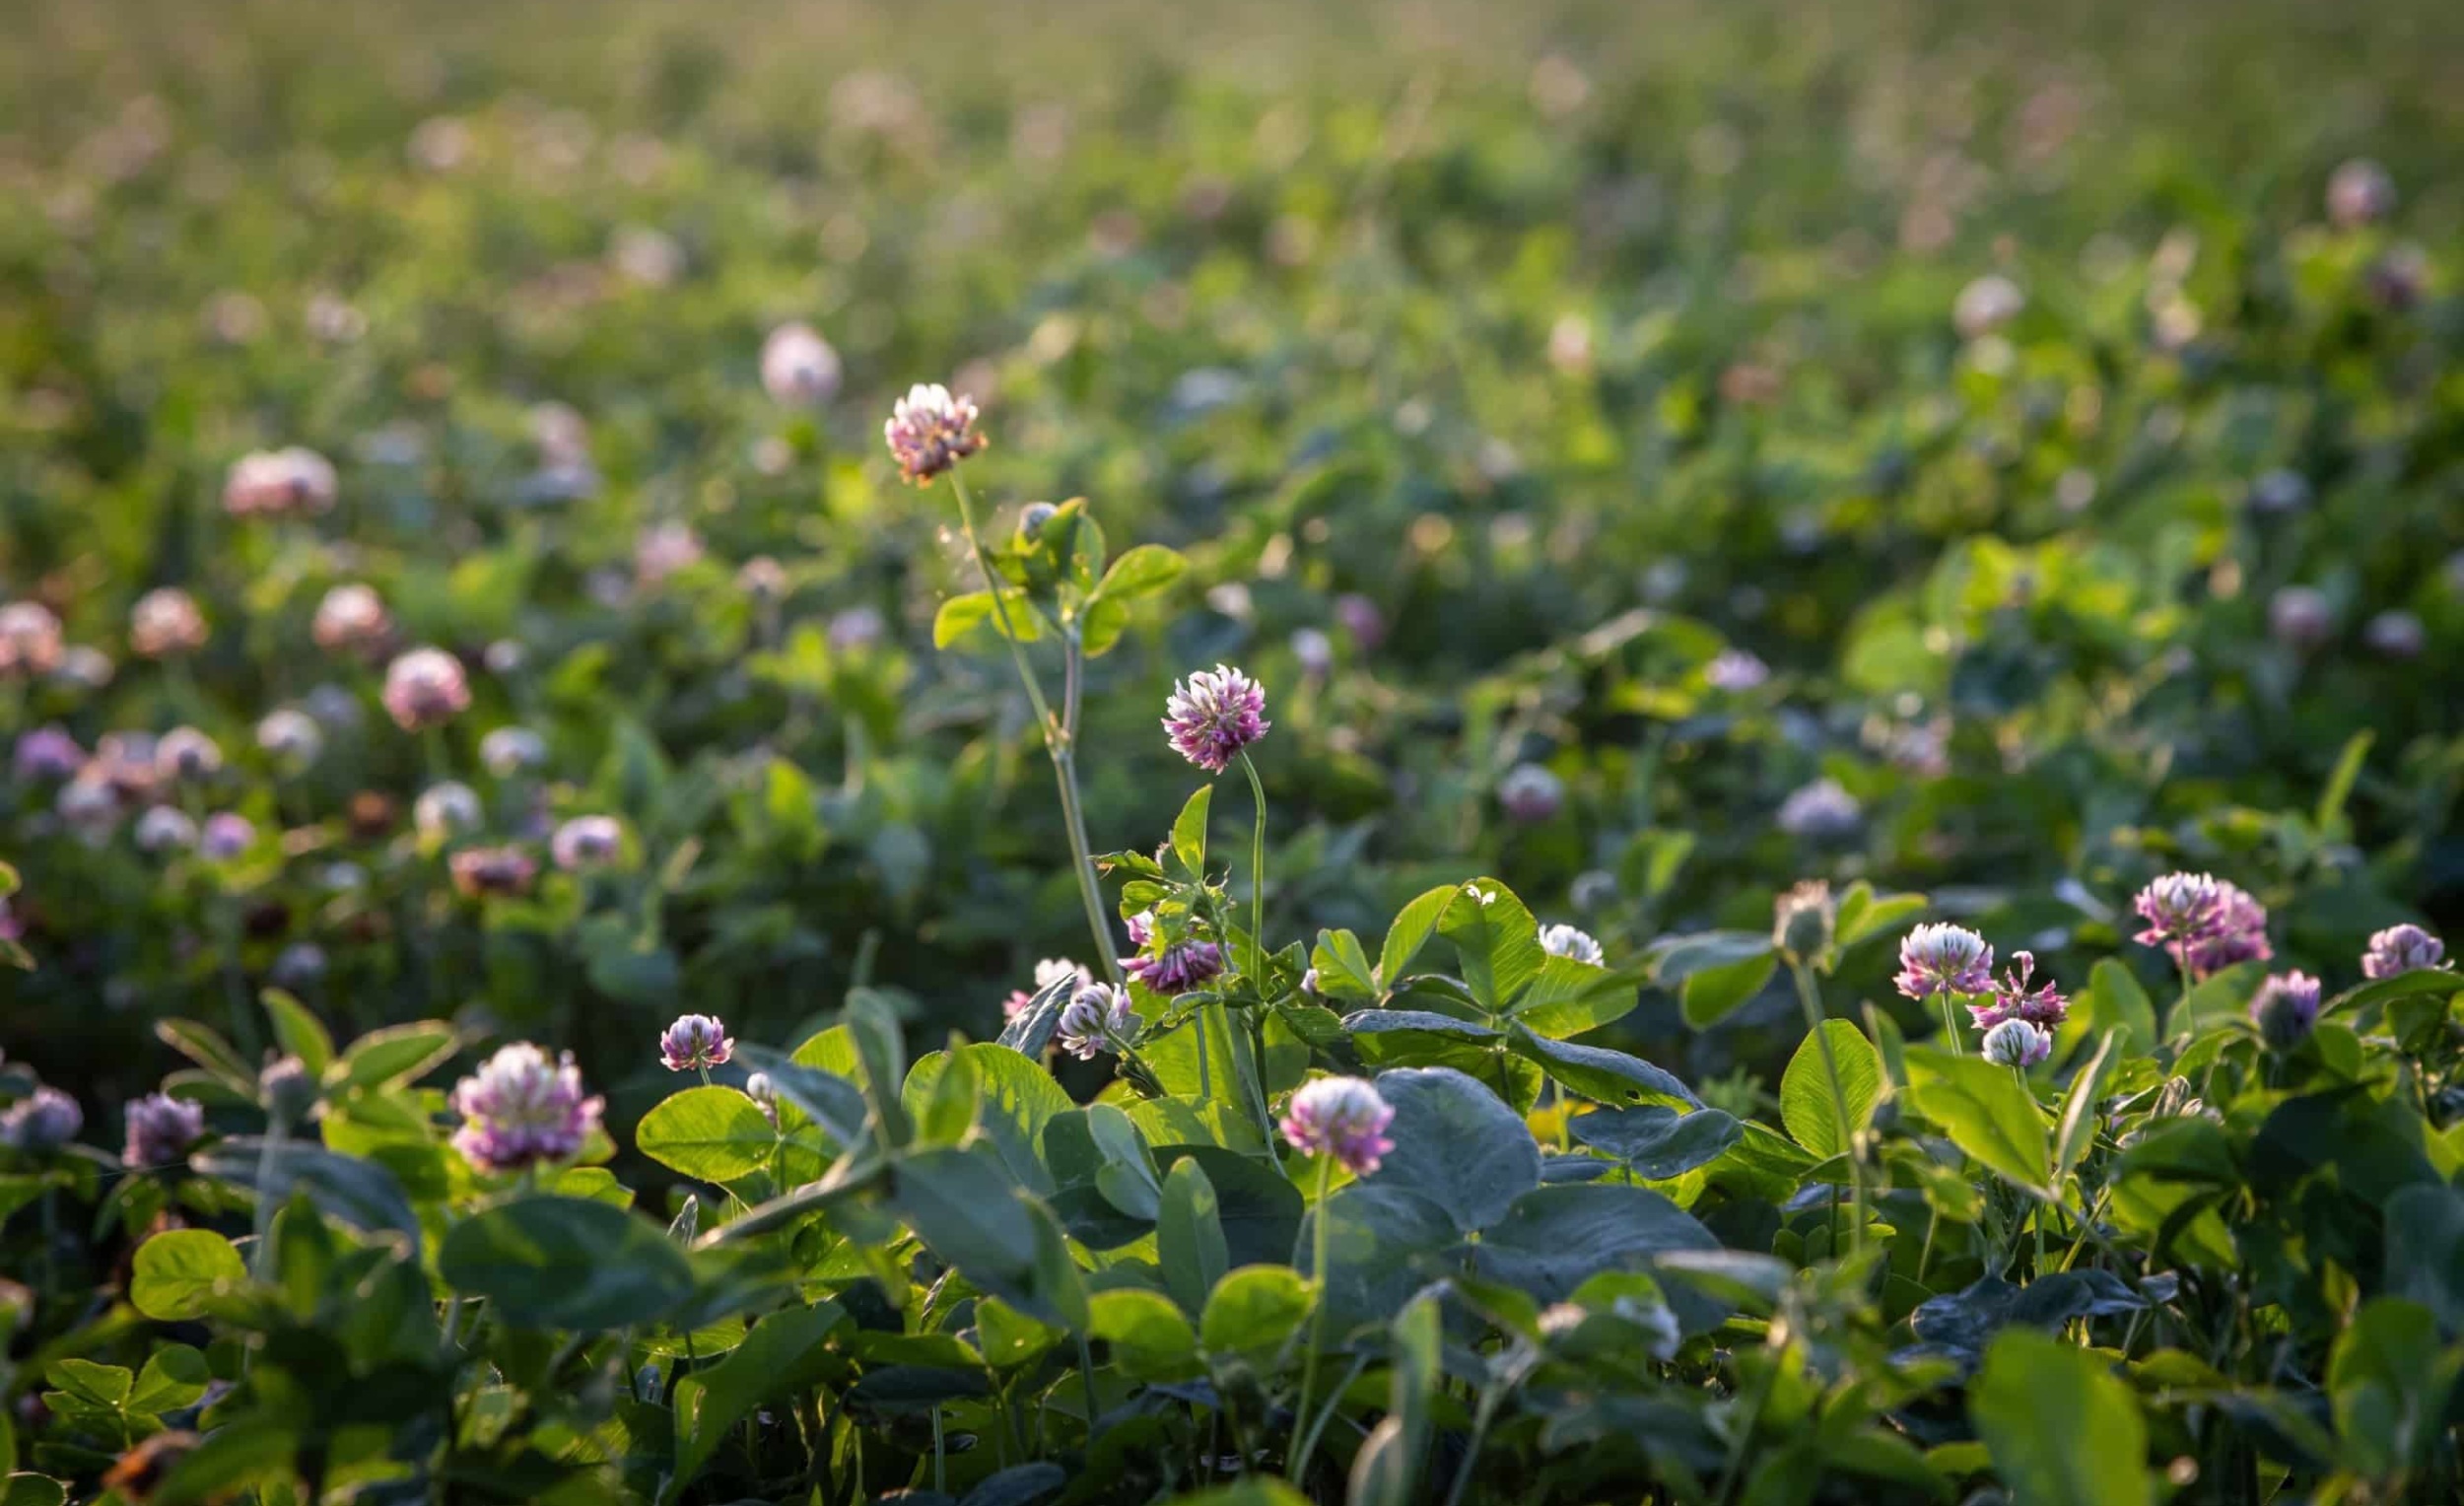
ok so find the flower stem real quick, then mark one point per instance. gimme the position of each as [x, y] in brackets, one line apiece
[1256, 884]
[1951, 1024]
[1317, 1319]
[1811, 996]
[1059, 736]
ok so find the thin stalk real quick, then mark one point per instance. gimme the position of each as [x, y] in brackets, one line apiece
[1316, 1317]
[1480, 1419]
[1325, 1411]
[1057, 735]
[1256, 884]
[1810, 997]
[1087, 1372]
[1951, 1023]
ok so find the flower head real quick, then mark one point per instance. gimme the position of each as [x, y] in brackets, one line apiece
[1568, 942]
[695, 1042]
[587, 842]
[1803, 921]
[425, 688]
[1047, 972]
[2300, 616]
[225, 835]
[2239, 935]
[1735, 669]
[164, 828]
[160, 1128]
[2205, 923]
[929, 432]
[44, 1120]
[164, 622]
[1097, 1018]
[764, 1095]
[664, 549]
[48, 753]
[291, 736]
[349, 617]
[446, 809]
[1531, 793]
[2016, 996]
[2285, 1009]
[2359, 191]
[2177, 907]
[491, 871]
[1939, 958]
[521, 1109]
[2016, 1043]
[1213, 715]
[1341, 1117]
[1986, 304]
[2401, 949]
[1171, 967]
[270, 483]
[30, 639]
[799, 369]
[184, 754]
[1822, 809]
[510, 750]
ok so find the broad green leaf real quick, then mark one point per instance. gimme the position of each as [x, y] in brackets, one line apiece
[2388, 1381]
[1711, 995]
[1188, 1236]
[1604, 1075]
[1496, 939]
[178, 1274]
[961, 615]
[1556, 1238]
[1252, 1312]
[784, 1353]
[1140, 571]
[1658, 1141]
[1150, 1338]
[566, 1263]
[1009, 1338]
[360, 1191]
[1863, 913]
[1410, 931]
[715, 1134]
[397, 1053]
[104, 1386]
[300, 1032]
[1678, 958]
[826, 1097]
[205, 1046]
[881, 1048]
[1343, 969]
[174, 1377]
[1569, 997]
[26, 1488]
[1019, 1098]
[1807, 1105]
[1127, 1177]
[2425, 1251]
[2329, 816]
[1987, 1112]
[1456, 1144]
[1189, 830]
[2062, 1429]
[1258, 1207]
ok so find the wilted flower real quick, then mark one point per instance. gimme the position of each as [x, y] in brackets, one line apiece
[227, 835]
[491, 871]
[30, 639]
[291, 736]
[929, 432]
[510, 750]
[287, 1090]
[445, 809]
[2397, 635]
[521, 1109]
[160, 1128]
[1939, 958]
[48, 753]
[2285, 1009]
[44, 1120]
[164, 622]
[1341, 1117]
[425, 688]
[164, 828]
[185, 754]
[2401, 949]
[587, 842]
[2015, 996]
[1097, 1018]
[2298, 617]
[352, 617]
[271, 483]
[1803, 921]
[1735, 669]
[800, 369]
[1213, 715]
[1572, 944]
[1531, 793]
[695, 1043]
[2016, 1043]
[1047, 972]
[662, 550]
[1822, 809]
[1986, 304]
[2359, 191]
[1176, 967]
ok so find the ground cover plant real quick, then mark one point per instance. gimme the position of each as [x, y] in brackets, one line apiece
[1373, 753]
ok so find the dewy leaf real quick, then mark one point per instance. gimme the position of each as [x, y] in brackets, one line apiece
[1806, 1107]
[715, 1134]
[1412, 927]
[1456, 1144]
[2062, 1429]
[1496, 939]
[1987, 1112]
[566, 1263]
[180, 1272]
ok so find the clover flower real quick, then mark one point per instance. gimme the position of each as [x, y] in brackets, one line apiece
[291, 737]
[165, 621]
[662, 550]
[184, 754]
[425, 688]
[126, 761]
[85, 666]
[89, 808]
[1568, 942]
[227, 835]
[446, 809]
[2359, 191]
[1986, 304]
[2015, 996]
[800, 369]
[2401, 949]
[2177, 907]
[2204, 923]
[164, 828]
[2396, 635]
[2239, 934]
[1735, 669]
[349, 617]
[1341, 1117]
[1315, 651]
[1213, 715]
[1176, 966]
[510, 750]
[491, 871]
[270, 483]
[160, 1128]
[1361, 620]
[2016, 1043]
[1047, 972]
[521, 1109]
[1937, 958]
[1097, 1018]
[929, 430]
[1531, 793]
[48, 753]
[2285, 1009]
[1804, 920]
[695, 1043]
[43, 1120]
[30, 639]
[1822, 809]
[2299, 617]
[587, 842]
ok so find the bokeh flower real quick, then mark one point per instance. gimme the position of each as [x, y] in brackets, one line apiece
[351, 618]
[2401, 949]
[482, 871]
[184, 755]
[929, 430]
[2395, 635]
[800, 369]
[2016, 1043]
[447, 808]
[1213, 715]
[1568, 942]
[425, 688]
[1937, 958]
[2286, 1010]
[664, 549]
[583, 843]
[270, 483]
[1097, 1018]
[165, 622]
[1341, 1117]
[2358, 192]
[1986, 304]
[1735, 669]
[1803, 921]
[46, 753]
[1531, 793]
[1047, 972]
[226, 833]
[30, 639]
[521, 1109]
[510, 750]
[1820, 810]
[164, 828]
[291, 737]
[2299, 617]
[43, 1120]
[695, 1043]
[160, 1128]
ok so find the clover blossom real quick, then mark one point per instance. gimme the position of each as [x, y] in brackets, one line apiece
[2016, 1043]
[425, 688]
[695, 1043]
[349, 617]
[30, 639]
[1213, 715]
[1097, 1018]
[521, 1109]
[800, 369]
[2203, 923]
[44, 1120]
[1937, 958]
[587, 842]
[164, 622]
[491, 871]
[1176, 966]
[2015, 996]
[1531, 793]
[929, 430]
[1341, 1117]
[2401, 949]
[160, 1128]
[2286, 1010]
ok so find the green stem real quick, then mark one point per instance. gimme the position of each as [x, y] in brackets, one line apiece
[1810, 997]
[1316, 1317]
[1256, 884]
[1059, 736]
[1951, 1024]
